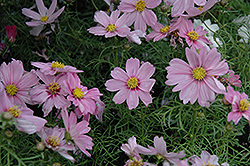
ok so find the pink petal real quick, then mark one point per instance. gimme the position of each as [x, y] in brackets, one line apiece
[126, 7]
[221, 69]
[149, 17]
[160, 145]
[132, 99]
[190, 93]
[114, 16]
[35, 31]
[34, 23]
[214, 84]
[102, 18]
[55, 15]
[31, 14]
[47, 106]
[122, 31]
[234, 116]
[145, 71]
[146, 85]
[132, 66]
[110, 34]
[152, 3]
[41, 8]
[121, 96]
[52, 8]
[114, 85]
[140, 23]
[119, 74]
[145, 97]
[98, 30]
[193, 58]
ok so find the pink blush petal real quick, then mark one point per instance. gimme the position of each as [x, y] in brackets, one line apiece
[151, 35]
[114, 85]
[52, 8]
[102, 18]
[127, 8]
[149, 17]
[190, 92]
[121, 96]
[119, 74]
[55, 15]
[132, 99]
[41, 8]
[132, 66]
[61, 102]
[193, 58]
[98, 30]
[47, 106]
[146, 85]
[145, 71]
[31, 14]
[140, 23]
[114, 16]
[234, 116]
[214, 84]
[152, 3]
[145, 97]
[221, 69]
[34, 23]
[122, 31]
[110, 34]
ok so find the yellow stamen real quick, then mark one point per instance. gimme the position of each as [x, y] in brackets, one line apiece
[200, 8]
[135, 162]
[165, 29]
[199, 73]
[11, 89]
[132, 83]
[53, 141]
[44, 18]
[193, 35]
[15, 112]
[78, 93]
[110, 28]
[208, 164]
[244, 105]
[57, 65]
[140, 5]
[54, 87]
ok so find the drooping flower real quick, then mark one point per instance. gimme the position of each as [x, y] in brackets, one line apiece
[206, 159]
[110, 26]
[195, 80]
[160, 32]
[55, 67]
[11, 33]
[240, 105]
[76, 132]
[138, 11]
[54, 139]
[133, 84]
[80, 95]
[22, 116]
[52, 93]
[17, 82]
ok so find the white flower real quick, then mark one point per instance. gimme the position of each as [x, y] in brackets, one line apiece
[244, 32]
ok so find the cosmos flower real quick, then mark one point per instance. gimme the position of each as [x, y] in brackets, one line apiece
[160, 32]
[135, 35]
[196, 79]
[133, 84]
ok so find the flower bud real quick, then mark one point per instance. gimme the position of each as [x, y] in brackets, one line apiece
[56, 164]
[126, 46]
[7, 115]
[40, 146]
[8, 133]
[164, 8]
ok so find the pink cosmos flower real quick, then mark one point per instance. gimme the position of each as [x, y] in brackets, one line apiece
[110, 26]
[11, 33]
[180, 6]
[204, 5]
[55, 67]
[80, 95]
[52, 93]
[17, 82]
[160, 149]
[206, 159]
[22, 116]
[160, 32]
[54, 139]
[240, 105]
[193, 37]
[195, 80]
[137, 160]
[136, 82]
[135, 35]
[233, 79]
[138, 11]
[45, 16]
[76, 131]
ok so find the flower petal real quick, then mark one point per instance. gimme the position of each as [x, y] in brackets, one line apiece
[145, 97]
[41, 8]
[132, 99]
[114, 85]
[52, 8]
[31, 14]
[149, 17]
[132, 66]
[121, 96]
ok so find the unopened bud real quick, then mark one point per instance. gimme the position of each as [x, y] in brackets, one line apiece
[40, 146]
[201, 115]
[8, 133]
[224, 100]
[229, 127]
[7, 115]
[164, 8]
[126, 46]
[56, 164]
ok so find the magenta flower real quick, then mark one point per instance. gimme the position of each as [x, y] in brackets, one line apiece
[195, 80]
[52, 93]
[136, 82]
[240, 105]
[193, 37]
[17, 82]
[23, 116]
[80, 95]
[206, 159]
[54, 139]
[55, 67]
[11, 33]
[233, 79]
[138, 11]
[76, 131]
[110, 26]
[160, 32]
[44, 16]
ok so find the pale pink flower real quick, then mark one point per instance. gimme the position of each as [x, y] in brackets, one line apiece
[138, 11]
[180, 6]
[17, 82]
[135, 35]
[54, 139]
[195, 80]
[160, 32]
[11, 33]
[194, 38]
[23, 116]
[233, 79]
[204, 5]
[240, 105]
[160, 148]
[52, 93]
[110, 26]
[55, 67]
[206, 159]
[44, 16]
[80, 95]
[133, 84]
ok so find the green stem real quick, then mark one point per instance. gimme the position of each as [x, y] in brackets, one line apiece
[94, 5]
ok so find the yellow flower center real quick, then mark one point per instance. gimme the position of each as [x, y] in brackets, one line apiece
[15, 112]
[208, 164]
[193, 35]
[132, 83]
[199, 73]
[110, 28]
[78, 93]
[11, 89]
[244, 105]
[135, 162]
[44, 18]
[140, 5]
[200, 8]
[53, 141]
[57, 65]
[165, 29]
[54, 87]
